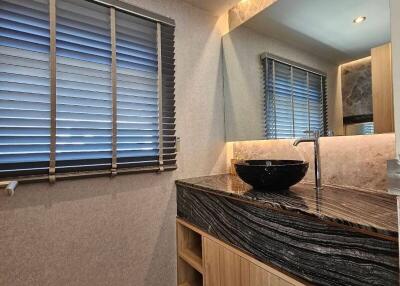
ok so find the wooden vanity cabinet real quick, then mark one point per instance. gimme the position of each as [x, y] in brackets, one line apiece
[205, 260]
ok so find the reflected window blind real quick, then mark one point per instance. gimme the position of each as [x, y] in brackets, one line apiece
[295, 100]
[114, 83]
[366, 128]
[24, 87]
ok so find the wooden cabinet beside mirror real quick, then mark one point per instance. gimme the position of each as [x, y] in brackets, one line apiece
[382, 88]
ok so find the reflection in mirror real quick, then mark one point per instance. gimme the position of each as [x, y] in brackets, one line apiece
[309, 65]
[295, 99]
[356, 80]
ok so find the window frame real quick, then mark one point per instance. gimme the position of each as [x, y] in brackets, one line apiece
[293, 65]
[163, 23]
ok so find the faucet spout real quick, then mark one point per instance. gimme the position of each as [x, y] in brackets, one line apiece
[301, 140]
[317, 161]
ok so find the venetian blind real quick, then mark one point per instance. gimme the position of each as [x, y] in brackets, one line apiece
[295, 100]
[114, 89]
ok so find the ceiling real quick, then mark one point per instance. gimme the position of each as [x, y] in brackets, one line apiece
[216, 7]
[325, 27]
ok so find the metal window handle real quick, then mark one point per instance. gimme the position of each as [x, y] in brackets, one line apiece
[9, 187]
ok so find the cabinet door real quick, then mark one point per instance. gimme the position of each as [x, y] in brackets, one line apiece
[253, 275]
[224, 267]
[211, 263]
[229, 267]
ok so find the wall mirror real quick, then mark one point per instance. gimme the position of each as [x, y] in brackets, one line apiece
[309, 65]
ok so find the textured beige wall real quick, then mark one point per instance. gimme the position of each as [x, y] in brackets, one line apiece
[356, 161]
[121, 231]
[395, 32]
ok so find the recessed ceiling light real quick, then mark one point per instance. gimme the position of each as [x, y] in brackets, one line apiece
[359, 20]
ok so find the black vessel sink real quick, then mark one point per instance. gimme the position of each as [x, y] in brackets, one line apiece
[271, 175]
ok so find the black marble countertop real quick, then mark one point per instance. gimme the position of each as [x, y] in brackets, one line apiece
[363, 211]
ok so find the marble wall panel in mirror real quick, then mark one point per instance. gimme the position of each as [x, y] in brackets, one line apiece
[309, 65]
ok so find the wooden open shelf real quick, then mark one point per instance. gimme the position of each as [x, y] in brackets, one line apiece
[190, 256]
[188, 275]
[192, 260]
[190, 247]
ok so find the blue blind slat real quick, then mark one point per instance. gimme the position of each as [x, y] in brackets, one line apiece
[83, 12]
[71, 65]
[142, 75]
[136, 87]
[25, 58]
[71, 95]
[69, 26]
[132, 79]
[16, 16]
[83, 84]
[16, 27]
[24, 85]
[94, 87]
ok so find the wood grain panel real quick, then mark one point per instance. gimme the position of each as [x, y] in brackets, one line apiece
[211, 263]
[229, 267]
[253, 275]
[258, 276]
[382, 88]
[244, 272]
[283, 283]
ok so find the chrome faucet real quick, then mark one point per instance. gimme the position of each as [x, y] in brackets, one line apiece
[313, 137]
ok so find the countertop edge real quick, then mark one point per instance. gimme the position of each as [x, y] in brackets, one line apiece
[365, 229]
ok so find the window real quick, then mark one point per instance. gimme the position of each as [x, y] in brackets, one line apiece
[367, 128]
[85, 87]
[361, 128]
[295, 100]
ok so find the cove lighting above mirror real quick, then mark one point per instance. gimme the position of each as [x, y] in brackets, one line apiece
[304, 65]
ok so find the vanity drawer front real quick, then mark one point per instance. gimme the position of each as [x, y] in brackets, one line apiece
[225, 266]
